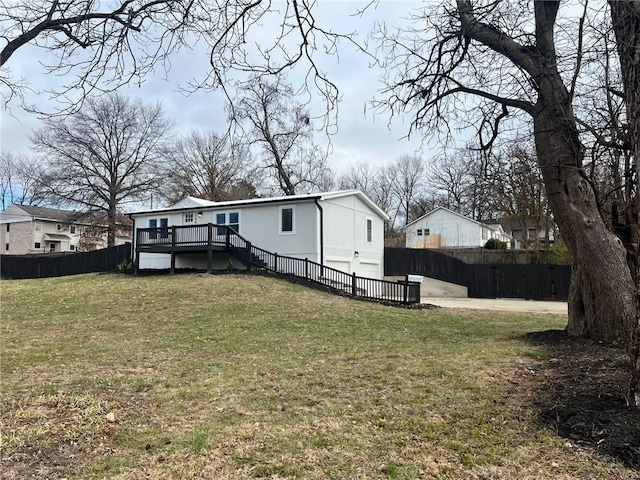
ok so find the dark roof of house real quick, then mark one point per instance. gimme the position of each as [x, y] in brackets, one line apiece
[51, 213]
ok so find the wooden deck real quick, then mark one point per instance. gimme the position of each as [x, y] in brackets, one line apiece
[208, 238]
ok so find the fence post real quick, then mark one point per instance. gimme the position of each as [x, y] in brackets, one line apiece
[248, 254]
[354, 284]
[227, 238]
[275, 262]
[306, 268]
[173, 250]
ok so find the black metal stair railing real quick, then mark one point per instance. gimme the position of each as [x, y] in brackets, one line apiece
[351, 284]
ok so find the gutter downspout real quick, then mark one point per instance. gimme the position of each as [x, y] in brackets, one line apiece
[321, 262]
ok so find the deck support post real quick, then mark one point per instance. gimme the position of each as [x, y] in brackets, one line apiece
[173, 251]
[306, 268]
[209, 248]
[136, 260]
[275, 262]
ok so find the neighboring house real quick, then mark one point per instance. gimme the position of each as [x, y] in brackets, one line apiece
[529, 233]
[444, 228]
[27, 230]
[343, 230]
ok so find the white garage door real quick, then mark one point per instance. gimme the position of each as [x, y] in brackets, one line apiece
[342, 266]
[371, 270]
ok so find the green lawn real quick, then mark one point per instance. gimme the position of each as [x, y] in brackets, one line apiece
[235, 376]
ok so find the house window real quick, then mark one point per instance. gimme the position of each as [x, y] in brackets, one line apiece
[8, 225]
[38, 226]
[426, 231]
[72, 248]
[221, 219]
[153, 223]
[36, 245]
[188, 217]
[485, 234]
[72, 229]
[234, 221]
[419, 232]
[369, 230]
[286, 220]
[58, 227]
[52, 247]
[164, 225]
[6, 246]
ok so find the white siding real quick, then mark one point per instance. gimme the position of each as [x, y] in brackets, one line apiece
[455, 230]
[345, 235]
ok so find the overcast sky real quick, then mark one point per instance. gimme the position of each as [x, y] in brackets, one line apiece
[361, 136]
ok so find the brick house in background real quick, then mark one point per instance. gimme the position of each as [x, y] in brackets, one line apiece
[29, 230]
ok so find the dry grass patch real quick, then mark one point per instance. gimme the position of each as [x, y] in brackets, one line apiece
[200, 376]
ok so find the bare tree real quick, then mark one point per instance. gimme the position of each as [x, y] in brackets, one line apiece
[625, 17]
[609, 160]
[406, 176]
[100, 45]
[206, 165]
[104, 155]
[501, 64]
[450, 177]
[521, 194]
[376, 184]
[20, 180]
[283, 131]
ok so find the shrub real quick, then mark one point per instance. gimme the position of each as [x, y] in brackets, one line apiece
[495, 244]
[125, 266]
[559, 254]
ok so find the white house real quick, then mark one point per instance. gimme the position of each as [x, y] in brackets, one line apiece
[444, 228]
[343, 230]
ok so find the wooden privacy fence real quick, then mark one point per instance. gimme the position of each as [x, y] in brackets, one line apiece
[68, 263]
[539, 282]
[401, 261]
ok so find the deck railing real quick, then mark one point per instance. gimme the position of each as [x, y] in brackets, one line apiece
[255, 258]
[337, 280]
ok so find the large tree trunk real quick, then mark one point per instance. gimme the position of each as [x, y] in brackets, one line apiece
[601, 298]
[625, 16]
[602, 302]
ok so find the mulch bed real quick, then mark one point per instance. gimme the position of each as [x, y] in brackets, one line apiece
[581, 395]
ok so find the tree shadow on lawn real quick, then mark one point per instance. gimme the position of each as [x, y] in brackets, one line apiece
[581, 395]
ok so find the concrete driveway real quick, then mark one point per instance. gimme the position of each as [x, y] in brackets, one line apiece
[499, 304]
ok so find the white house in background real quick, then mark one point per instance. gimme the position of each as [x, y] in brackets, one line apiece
[343, 230]
[444, 228]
